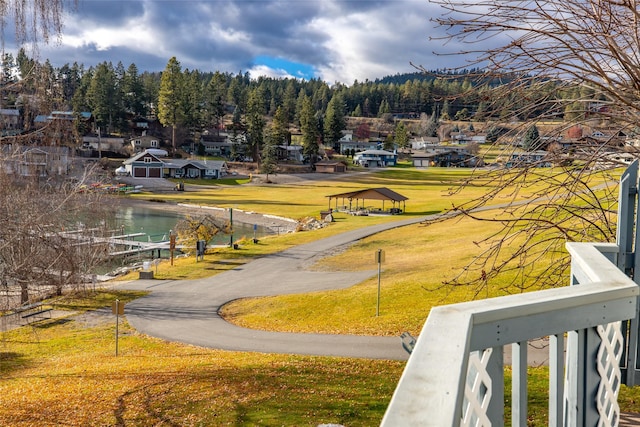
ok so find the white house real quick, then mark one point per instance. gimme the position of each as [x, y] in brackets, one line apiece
[375, 158]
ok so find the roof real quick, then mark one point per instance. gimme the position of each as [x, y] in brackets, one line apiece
[377, 153]
[198, 164]
[138, 156]
[381, 193]
[178, 163]
[330, 162]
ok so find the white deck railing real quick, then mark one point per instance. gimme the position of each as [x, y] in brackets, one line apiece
[455, 375]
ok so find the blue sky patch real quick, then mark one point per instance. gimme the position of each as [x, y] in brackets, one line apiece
[296, 69]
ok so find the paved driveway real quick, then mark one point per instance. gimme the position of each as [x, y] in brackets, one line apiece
[187, 310]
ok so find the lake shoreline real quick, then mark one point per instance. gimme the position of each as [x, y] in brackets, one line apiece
[273, 223]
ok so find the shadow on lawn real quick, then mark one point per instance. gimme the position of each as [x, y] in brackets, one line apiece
[50, 323]
[11, 361]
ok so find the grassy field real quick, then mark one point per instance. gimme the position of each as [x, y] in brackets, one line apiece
[429, 191]
[65, 372]
[51, 372]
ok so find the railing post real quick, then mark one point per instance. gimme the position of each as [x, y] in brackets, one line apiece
[627, 201]
[627, 237]
[519, 396]
[495, 368]
[583, 378]
[556, 380]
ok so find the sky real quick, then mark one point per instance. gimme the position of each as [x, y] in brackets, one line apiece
[332, 40]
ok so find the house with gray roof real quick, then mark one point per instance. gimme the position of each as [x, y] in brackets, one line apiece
[195, 169]
[149, 164]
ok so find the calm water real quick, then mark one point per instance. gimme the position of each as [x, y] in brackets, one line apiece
[156, 224]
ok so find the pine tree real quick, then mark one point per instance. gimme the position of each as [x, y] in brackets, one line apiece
[531, 139]
[334, 122]
[310, 132]
[402, 136]
[215, 97]
[255, 121]
[169, 106]
[269, 159]
[133, 92]
[101, 94]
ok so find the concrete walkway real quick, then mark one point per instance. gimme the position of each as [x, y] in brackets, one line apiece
[187, 310]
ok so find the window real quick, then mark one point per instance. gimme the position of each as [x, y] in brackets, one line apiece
[148, 159]
[154, 143]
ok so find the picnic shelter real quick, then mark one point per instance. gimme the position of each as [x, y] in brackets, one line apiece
[357, 201]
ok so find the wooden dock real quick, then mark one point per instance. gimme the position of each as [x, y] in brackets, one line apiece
[122, 244]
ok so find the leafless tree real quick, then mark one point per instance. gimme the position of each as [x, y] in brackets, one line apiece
[561, 64]
[34, 21]
[199, 227]
[51, 230]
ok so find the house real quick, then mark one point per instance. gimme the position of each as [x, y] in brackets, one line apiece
[144, 165]
[424, 143]
[100, 143]
[151, 164]
[139, 125]
[9, 119]
[468, 138]
[446, 157]
[36, 161]
[347, 146]
[616, 159]
[143, 142]
[531, 158]
[64, 116]
[330, 166]
[375, 158]
[195, 169]
[290, 153]
[347, 135]
[59, 127]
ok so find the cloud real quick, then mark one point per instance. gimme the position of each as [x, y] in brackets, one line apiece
[336, 40]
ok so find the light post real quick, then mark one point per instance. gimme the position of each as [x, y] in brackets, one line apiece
[172, 244]
[231, 227]
[379, 260]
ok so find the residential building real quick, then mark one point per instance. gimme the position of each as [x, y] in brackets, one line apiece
[530, 158]
[446, 156]
[36, 161]
[144, 142]
[151, 164]
[9, 119]
[104, 144]
[290, 153]
[375, 158]
[195, 169]
[330, 166]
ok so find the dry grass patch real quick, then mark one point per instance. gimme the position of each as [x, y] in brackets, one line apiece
[62, 372]
[418, 260]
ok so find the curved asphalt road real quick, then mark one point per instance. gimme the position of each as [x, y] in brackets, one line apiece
[187, 310]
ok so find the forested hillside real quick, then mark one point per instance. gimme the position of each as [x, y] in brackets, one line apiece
[202, 97]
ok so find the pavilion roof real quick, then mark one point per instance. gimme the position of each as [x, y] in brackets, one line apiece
[381, 193]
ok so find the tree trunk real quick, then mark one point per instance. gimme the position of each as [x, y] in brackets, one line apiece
[24, 292]
[173, 137]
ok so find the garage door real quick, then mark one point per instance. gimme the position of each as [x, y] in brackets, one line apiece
[154, 172]
[140, 172]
